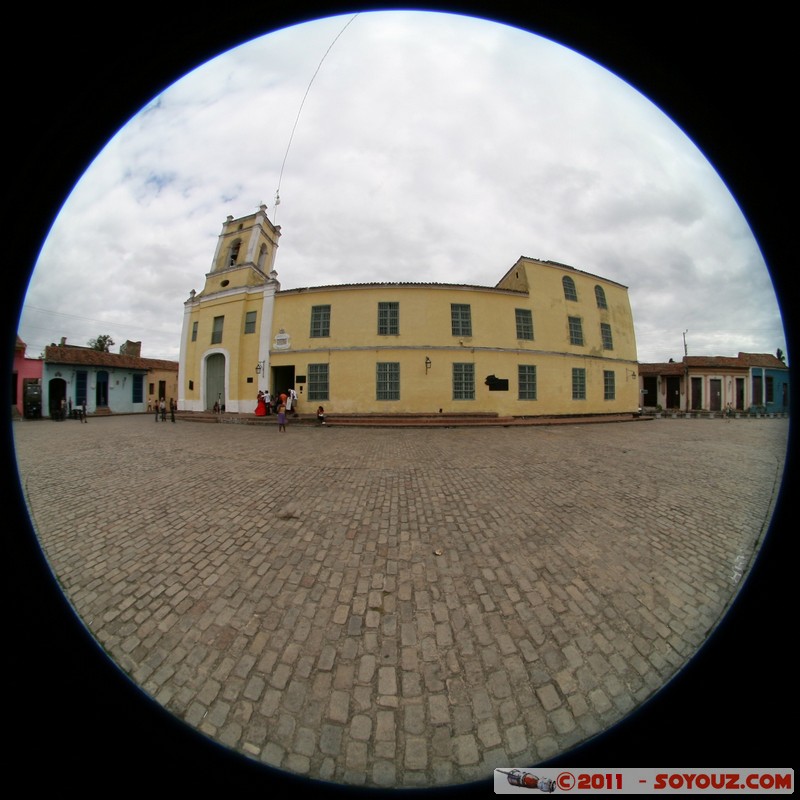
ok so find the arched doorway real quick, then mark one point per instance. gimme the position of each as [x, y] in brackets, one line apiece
[215, 381]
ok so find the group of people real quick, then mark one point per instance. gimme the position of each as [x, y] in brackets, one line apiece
[65, 410]
[282, 405]
[161, 409]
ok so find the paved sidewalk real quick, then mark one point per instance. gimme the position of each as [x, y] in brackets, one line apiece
[400, 608]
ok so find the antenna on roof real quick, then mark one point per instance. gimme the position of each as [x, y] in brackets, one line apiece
[297, 118]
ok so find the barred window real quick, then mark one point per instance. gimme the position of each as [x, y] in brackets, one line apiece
[317, 382]
[600, 296]
[524, 323]
[464, 381]
[570, 293]
[388, 319]
[461, 317]
[138, 389]
[578, 383]
[527, 381]
[575, 331]
[320, 321]
[250, 322]
[609, 385]
[194, 331]
[387, 380]
[216, 332]
[605, 333]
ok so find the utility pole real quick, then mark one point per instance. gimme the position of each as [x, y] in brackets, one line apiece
[685, 371]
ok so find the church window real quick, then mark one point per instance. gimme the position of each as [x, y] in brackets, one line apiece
[320, 321]
[464, 381]
[575, 331]
[578, 383]
[524, 323]
[216, 332]
[317, 381]
[388, 319]
[605, 333]
[388, 381]
[527, 381]
[461, 319]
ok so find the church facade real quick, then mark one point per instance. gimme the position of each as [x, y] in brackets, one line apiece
[546, 340]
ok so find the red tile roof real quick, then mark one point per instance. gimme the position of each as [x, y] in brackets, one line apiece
[742, 361]
[85, 356]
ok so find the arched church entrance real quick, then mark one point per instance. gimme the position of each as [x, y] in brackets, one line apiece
[215, 381]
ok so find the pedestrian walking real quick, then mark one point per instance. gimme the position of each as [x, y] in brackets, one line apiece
[83, 411]
[163, 408]
[172, 405]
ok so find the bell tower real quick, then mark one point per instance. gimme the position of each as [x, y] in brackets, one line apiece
[245, 254]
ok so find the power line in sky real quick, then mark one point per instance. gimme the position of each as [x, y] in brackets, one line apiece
[299, 111]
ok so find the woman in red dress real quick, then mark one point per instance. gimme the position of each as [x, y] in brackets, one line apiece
[261, 406]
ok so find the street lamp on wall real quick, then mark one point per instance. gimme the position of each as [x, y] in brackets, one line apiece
[260, 367]
[427, 364]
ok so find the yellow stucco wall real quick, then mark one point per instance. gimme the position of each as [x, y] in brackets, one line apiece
[354, 347]
[424, 346]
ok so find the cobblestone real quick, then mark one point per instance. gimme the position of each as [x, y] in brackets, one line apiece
[404, 607]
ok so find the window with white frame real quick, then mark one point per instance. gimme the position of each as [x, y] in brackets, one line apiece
[600, 296]
[464, 381]
[609, 385]
[320, 321]
[524, 318]
[526, 378]
[578, 383]
[388, 319]
[387, 380]
[461, 319]
[317, 382]
[575, 331]
[216, 330]
[605, 335]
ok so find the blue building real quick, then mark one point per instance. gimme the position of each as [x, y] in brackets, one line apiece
[109, 383]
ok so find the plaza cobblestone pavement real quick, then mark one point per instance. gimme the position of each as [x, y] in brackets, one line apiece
[400, 608]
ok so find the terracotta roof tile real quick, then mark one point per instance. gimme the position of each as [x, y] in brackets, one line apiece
[85, 356]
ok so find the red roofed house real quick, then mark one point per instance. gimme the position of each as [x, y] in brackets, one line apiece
[749, 382]
[109, 383]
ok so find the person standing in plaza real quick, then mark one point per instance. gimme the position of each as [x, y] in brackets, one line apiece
[281, 418]
[83, 411]
[163, 405]
[172, 405]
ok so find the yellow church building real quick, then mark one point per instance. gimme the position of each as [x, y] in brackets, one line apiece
[546, 340]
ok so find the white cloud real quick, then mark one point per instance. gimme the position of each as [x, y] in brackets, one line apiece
[427, 147]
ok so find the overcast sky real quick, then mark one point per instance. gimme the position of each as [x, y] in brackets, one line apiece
[406, 146]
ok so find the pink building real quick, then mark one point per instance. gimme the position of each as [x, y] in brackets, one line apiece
[27, 372]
